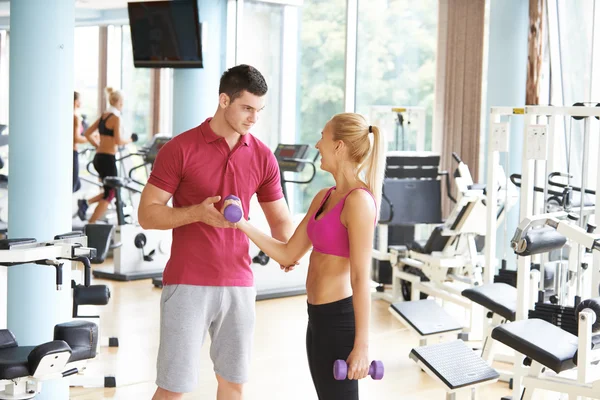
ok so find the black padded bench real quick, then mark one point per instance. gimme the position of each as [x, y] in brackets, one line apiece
[499, 298]
[22, 365]
[541, 341]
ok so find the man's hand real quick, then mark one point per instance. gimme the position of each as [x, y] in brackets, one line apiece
[208, 214]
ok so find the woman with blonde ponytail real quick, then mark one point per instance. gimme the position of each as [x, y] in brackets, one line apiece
[340, 226]
[110, 128]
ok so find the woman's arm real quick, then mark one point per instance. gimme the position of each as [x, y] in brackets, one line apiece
[282, 252]
[89, 131]
[359, 217]
[117, 130]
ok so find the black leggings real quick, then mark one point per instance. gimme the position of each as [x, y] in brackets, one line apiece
[106, 165]
[330, 336]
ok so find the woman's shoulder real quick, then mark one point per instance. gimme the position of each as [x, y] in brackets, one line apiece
[360, 197]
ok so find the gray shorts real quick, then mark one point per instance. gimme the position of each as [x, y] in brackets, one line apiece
[187, 312]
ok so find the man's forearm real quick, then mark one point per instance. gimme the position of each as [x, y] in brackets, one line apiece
[158, 216]
[283, 230]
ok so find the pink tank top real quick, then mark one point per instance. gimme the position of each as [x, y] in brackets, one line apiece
[328, 235]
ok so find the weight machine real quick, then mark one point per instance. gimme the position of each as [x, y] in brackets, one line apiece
[25, 368]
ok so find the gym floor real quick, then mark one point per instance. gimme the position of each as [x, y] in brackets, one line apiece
[280, 370]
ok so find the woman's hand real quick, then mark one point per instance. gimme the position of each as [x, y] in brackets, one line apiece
[234, 203]
[289, 268]
[358, 363]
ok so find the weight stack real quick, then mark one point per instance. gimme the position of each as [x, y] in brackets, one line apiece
[506, 276]
[563, 317]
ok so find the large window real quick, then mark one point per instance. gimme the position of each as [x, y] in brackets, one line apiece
[571, 46]
[396, 47]
[261, 46]
[321, 78]
[137, 85]
[87, 42]
[301, 47]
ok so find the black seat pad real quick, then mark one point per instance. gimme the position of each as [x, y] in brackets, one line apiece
[499, 298]
[14, 363]
[541, 341]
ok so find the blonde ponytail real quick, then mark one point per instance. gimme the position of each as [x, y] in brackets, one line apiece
[366, 151]
[375, 166]
[113, 96]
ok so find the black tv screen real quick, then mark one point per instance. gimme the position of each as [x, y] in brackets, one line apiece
[165, 34]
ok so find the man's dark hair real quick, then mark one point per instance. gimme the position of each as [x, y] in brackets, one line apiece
[242, 77]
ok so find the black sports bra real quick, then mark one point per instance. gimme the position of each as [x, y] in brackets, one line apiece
[102, 129]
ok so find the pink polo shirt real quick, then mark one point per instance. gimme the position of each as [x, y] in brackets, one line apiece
[198, 164]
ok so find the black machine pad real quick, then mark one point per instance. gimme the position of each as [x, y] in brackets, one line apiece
[82, 337]
[46, 349]
[13, 362]
[499, 298]
[541, 341]
[98, 295]
[7, 339]
[99, 237]
[426, 317]
[455, 364]
[541, 240]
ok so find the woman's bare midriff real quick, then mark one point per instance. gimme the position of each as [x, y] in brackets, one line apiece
[107, 143]
[328, 278]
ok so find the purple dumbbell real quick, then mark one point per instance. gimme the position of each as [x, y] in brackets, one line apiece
[233, 213]
[340, 370]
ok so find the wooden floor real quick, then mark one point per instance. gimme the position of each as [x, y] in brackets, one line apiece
[279, 369]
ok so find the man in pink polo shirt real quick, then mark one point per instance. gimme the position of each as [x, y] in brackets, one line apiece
[208, 283]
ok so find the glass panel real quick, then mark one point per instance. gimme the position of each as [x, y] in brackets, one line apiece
[114, 53]
[86, 70]
[137, 87]
[320, 80]
[396, 52]
[573, 29]
[260, 46]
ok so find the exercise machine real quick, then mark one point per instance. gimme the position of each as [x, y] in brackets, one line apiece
[534, 239]
[25, 368]
[570, 341]
[412, 183]
[137, 253]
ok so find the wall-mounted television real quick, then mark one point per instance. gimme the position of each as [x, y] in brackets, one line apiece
[165, 34]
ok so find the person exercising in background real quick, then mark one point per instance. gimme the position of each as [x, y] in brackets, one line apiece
[78, 138]
[112, 135]
[339, 225]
